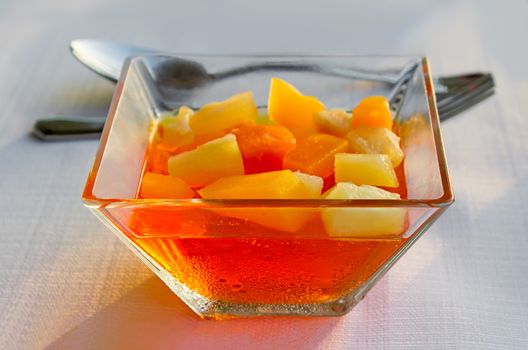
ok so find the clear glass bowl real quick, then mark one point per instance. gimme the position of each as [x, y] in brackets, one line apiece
[228, 258]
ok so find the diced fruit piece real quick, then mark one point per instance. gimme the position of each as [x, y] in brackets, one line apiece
[164, 186]
[362, 222]
[372, 112]
[217, 118]
[314, 155]
[302, 133]
[157, 159]
[365, 169]
[281, 184]
[333, 121]
[208, 162]
[270, 185]
[310, 186]
[376, 141]
[263, 146]
[175, 130]
[290, 107]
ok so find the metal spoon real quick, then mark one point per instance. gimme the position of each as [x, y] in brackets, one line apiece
[454, 95]
[106, 58]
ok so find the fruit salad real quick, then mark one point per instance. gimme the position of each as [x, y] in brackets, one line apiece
[297, 149]
[300, 149]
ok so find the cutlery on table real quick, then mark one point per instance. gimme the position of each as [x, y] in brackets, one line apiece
[454, 93]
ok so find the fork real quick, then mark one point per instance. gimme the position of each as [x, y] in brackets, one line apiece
[456, 94]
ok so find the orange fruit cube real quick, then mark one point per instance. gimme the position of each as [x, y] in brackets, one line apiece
[208, 162]
[218, 118]
[263, 146]
[365, 169]
[314, 155]
[164, 186]
[289, 107]
[372, 112]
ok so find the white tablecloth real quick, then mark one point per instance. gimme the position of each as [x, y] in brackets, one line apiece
[68, 283]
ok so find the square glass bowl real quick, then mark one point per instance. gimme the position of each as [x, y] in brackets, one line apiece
[228, 258]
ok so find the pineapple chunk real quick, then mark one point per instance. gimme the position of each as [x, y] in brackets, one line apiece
[281, 184]
[164, 186]
[376, 141]
[208, 162]
[333, 121]
[365, 169]
[176, 131]
[270, 185]
[218, 117]
[289, 107]
[362, 222]
[310, 186]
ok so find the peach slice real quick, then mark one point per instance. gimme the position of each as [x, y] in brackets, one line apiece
[164, 186]
[289, 107]
[263, 146]
[314, 155]
[373, 112]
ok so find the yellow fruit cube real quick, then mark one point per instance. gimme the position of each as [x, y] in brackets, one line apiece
[269, 185]
[376, 141]
[310, 186]
[335, 122]
[208, 162]
[365, 169]
[362, 222]
[282, 184]
[175, 130]
[289, 107]
[217, 118]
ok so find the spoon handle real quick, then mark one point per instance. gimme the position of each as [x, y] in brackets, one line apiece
[459, 93]
[68, 128]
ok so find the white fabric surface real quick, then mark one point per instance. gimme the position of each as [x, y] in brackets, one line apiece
[68, 283]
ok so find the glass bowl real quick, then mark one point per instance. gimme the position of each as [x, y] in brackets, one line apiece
[228, 258]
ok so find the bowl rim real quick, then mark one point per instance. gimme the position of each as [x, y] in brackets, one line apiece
[90, 200]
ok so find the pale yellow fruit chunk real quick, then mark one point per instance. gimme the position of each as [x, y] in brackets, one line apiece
[336, 122]
[362, 222]
[376, 141]
[310, 186]
[176, 131]
[282, 184]
[270, 185]
[365, 169]
[218, 117]
[208, 162]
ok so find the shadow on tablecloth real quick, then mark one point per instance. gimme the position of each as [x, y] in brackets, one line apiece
[152, 317]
